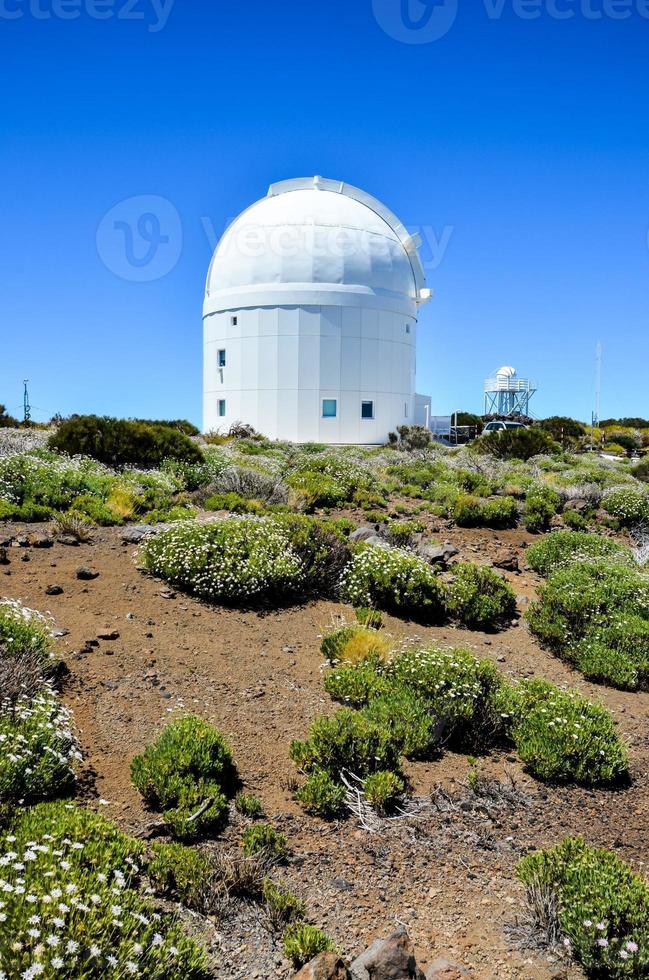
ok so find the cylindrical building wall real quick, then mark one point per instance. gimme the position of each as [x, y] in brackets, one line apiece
[333, 374]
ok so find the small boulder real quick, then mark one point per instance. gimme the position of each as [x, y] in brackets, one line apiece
[504, 558]
[40, 540]
[577, 504]
[362, 534]
[108, 635]
[326, 966]
[443, 969]
[68, 539]
[54, 590]
[137, 533]
[86, 574]
[388, 959]
[4, 556]
[437, 554]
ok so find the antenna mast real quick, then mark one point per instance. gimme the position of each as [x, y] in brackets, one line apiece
[27, 409]
[598, 384]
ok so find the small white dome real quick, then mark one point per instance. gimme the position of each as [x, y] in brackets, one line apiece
[505, 372]
[312, 236]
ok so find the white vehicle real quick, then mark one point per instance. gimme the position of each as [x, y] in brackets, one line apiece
[498, 426]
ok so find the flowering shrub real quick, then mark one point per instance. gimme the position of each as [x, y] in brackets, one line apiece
[541, 504]
[562, 548]
[471, 511]
[602, 907]
[69, 905]
[232, 561]
[595, 616]
[396, 581]
[37, 748]
[561, 736]
[329, 480]
[16, 441]
[479, 598]
[630, 505]
[187, 773]
[23, 629]
[354, 684]
[459, 688]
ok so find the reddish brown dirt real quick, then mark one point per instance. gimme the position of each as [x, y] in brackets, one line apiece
[257, 677]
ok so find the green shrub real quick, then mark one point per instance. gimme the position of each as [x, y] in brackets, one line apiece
[501, 512]
[38, 749]
[516, 444]
[395, 581]
[383, 789]
[575, 520]
[94, 509]
[248, 805]
[302, 943]
[406, 716]
[541, 504]
[103, 926]
[461, 691]
[402, 532]
[601, 906]
[346, 741]
[353, 684]
[354, 644]
[282, 906]
[367, 616]
[235, 503]
[180, 872]
[595, 615]
[562, 548]
[188, 766]
[262, 840]
[629, 505]
[169, 514]
[479, 597]
[321, 795]
[231, 561]
[562, 737]
[24, 630]
[122, 442]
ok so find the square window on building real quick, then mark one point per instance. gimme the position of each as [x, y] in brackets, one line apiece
[234, 320]
[221, 407]
[220, 358]
[329, 408]
[367, 410]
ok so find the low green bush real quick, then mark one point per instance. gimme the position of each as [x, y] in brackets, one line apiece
[596, 902]
[479, 598]
[282, 906]
[234, 503]
[346, 741]
[383, 790]
[406, 716]
[169, 514]
[561, 736]
[262, 840]
[541, 504]
[79, 875]
[354, 683]
[469, 511]
[395, 581]
[594, 615]
[629, 505]
[561, 548]
[180, 872]
[302, 943]
[38, 750]
[367, 616]
[401, 533]
[516, 444]
[460, 689]
[24, 630]
[354, 643]
[575, 520]
[248, 805]
[321, 795]
[188, 766]
[123, 442]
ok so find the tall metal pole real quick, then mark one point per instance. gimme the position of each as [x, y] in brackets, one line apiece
[598, 383]
[27, 410]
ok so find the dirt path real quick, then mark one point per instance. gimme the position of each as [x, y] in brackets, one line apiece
[449, 875]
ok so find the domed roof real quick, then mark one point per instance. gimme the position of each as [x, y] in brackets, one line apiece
[316, 241]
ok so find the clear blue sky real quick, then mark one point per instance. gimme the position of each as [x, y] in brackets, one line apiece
[523, 140]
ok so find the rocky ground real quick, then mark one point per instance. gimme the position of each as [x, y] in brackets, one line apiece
[140, 654]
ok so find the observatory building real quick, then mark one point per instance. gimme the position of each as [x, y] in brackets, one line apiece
[310, 318]
[507, 394]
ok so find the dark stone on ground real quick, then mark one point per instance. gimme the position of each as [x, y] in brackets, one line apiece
[54, 590]
[86, 574]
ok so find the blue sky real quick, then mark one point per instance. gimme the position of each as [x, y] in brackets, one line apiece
[518, 140]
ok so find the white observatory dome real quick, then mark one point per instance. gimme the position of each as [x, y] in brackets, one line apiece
[506, 372]
[317, 242]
